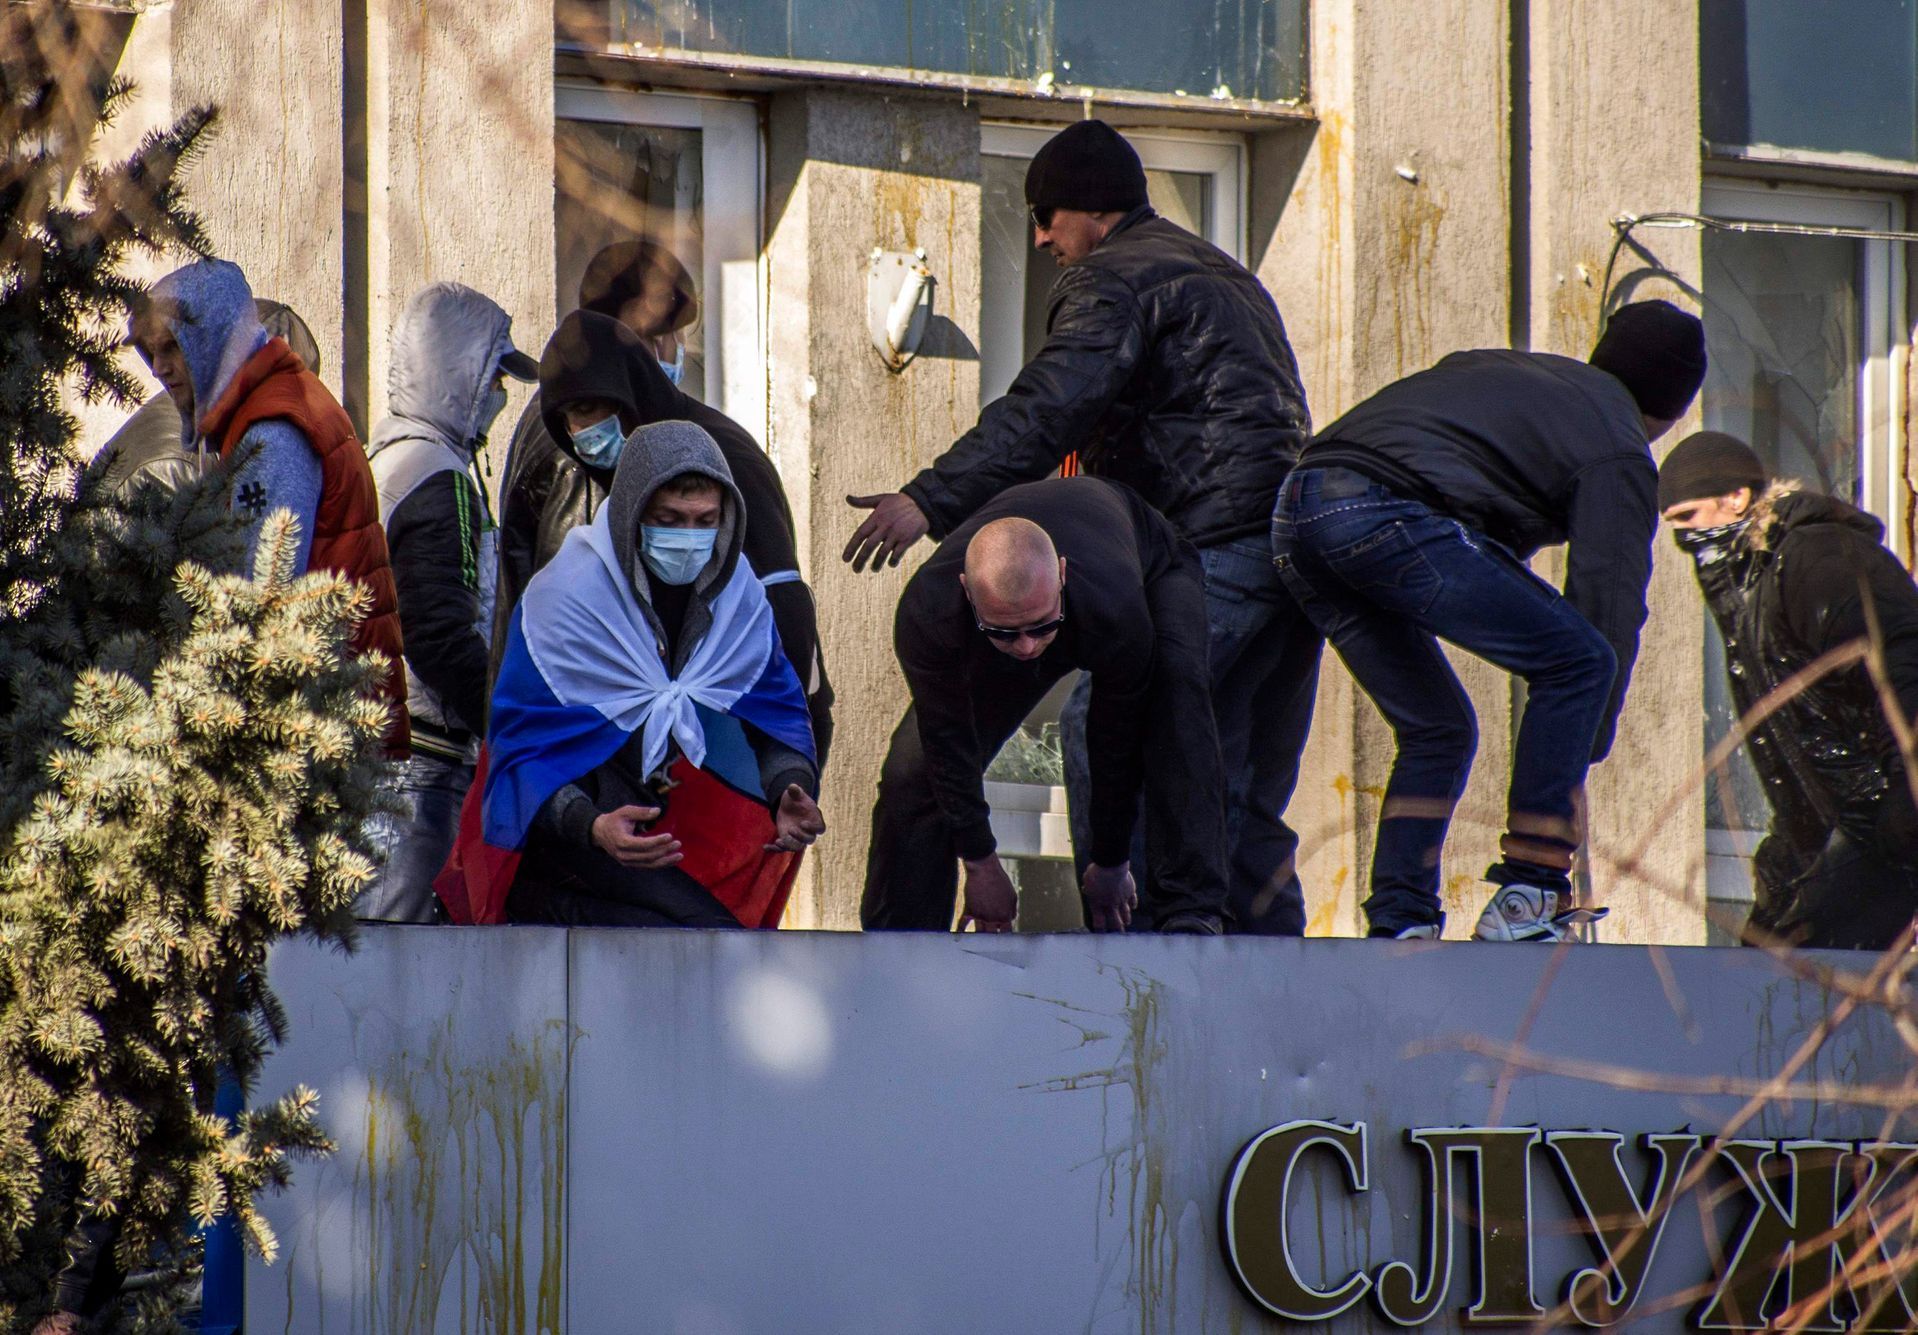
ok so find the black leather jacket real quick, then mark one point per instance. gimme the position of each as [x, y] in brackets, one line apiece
[1791, 588]
[1166, 366]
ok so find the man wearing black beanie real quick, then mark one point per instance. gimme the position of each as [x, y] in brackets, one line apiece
[1409, 521]
[1166, 368]
[1790, 576]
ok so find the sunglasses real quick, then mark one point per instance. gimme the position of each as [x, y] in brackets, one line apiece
[1042, 217]
[1007, 634]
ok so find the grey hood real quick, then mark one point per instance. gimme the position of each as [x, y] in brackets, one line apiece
[447, 348]
[653, 455]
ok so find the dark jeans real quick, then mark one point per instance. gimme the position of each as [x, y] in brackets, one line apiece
[1264, 666]
[1386, 578]
[416, 841]
[912, 874]
[583, 887]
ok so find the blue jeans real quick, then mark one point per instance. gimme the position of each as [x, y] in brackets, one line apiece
[1264, 662]
[415, 842]
[1386, 578]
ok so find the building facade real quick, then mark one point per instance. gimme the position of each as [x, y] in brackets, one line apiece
[1408, 179]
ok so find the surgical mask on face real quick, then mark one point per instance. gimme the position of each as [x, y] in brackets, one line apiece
[676, 555]
[490, 408]
[599, 444]
[676, 368]
[1709, 546]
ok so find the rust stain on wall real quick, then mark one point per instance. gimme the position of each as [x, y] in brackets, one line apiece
[457, 1156]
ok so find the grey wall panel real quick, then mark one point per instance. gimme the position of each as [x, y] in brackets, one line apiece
[440, 1060]
[823, 1132]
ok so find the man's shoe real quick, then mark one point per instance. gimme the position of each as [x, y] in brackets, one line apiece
[1528, 913]
[1192, 924]
[1419, 931]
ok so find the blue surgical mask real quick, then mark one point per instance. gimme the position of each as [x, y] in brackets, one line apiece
[676, 368]
[676, 555]
[599, 444]
[490, 408]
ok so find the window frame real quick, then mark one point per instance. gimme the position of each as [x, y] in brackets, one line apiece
[1219, 156]
[1885, 489]
[732, 266]
[1881, 409]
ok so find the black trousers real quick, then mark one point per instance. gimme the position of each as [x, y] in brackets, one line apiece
[912, 873]
[573, 887]
[1854, 895]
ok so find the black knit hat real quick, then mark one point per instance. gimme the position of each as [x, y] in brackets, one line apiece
[1707, 464]
[1658, 351]
[1086, 166]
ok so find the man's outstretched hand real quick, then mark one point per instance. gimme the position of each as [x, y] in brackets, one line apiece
[991, 901]
[896, 522]
[1110, 897]
[797, 822]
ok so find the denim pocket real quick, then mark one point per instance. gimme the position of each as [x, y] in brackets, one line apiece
[1389, 569]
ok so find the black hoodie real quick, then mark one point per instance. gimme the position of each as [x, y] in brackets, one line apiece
[548, 490]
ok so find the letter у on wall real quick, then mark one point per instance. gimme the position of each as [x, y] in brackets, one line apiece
[1810, 1238]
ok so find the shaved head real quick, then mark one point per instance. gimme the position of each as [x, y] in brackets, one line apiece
[1011, 561]
[1015, 577]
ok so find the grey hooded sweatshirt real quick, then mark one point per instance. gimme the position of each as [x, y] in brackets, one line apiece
[447, 349]
[680, 615]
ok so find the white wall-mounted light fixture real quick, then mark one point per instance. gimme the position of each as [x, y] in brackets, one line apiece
[898, 304]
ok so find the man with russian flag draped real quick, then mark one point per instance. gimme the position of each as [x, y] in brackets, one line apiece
[649, 759]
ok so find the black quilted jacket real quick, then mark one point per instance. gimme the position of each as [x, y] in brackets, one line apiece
[1166, 366]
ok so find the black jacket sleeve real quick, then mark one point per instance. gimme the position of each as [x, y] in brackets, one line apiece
[1824, 589]
[1116, 719]
[433, 537]
[775, 559]
[1613, 519]
[531, 467]
[955, 755]
[1095, 340]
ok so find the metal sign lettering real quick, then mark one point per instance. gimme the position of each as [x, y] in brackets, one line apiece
[1810, 1221]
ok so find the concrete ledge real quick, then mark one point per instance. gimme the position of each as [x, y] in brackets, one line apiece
[604, 1131]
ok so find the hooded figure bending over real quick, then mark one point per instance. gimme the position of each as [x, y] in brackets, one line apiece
[649, 760]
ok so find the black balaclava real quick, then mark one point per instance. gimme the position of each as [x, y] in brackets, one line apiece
[1658, 351]
[1087, 166]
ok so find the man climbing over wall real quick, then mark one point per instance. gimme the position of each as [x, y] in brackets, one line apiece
[1409, 521]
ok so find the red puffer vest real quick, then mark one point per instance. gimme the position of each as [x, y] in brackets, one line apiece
[274, 383]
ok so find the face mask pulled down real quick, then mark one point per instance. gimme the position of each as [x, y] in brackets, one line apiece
[676, 555]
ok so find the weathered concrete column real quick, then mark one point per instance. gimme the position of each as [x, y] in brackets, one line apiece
[270, 183]
[1614, 121]
[458, 170]
[851, 172]
[1383, 235]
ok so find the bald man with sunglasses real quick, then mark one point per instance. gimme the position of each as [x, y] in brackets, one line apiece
[1046, 579]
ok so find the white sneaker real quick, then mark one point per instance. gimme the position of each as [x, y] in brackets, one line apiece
[1425, 931]
[1528, 913]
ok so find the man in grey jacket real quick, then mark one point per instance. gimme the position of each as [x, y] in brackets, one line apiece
[451, 350]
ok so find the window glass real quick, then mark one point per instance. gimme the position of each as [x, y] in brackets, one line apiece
[1827, 77]
[1019, 277]
[1250, 49]
[619, 183]
[1798, 328]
